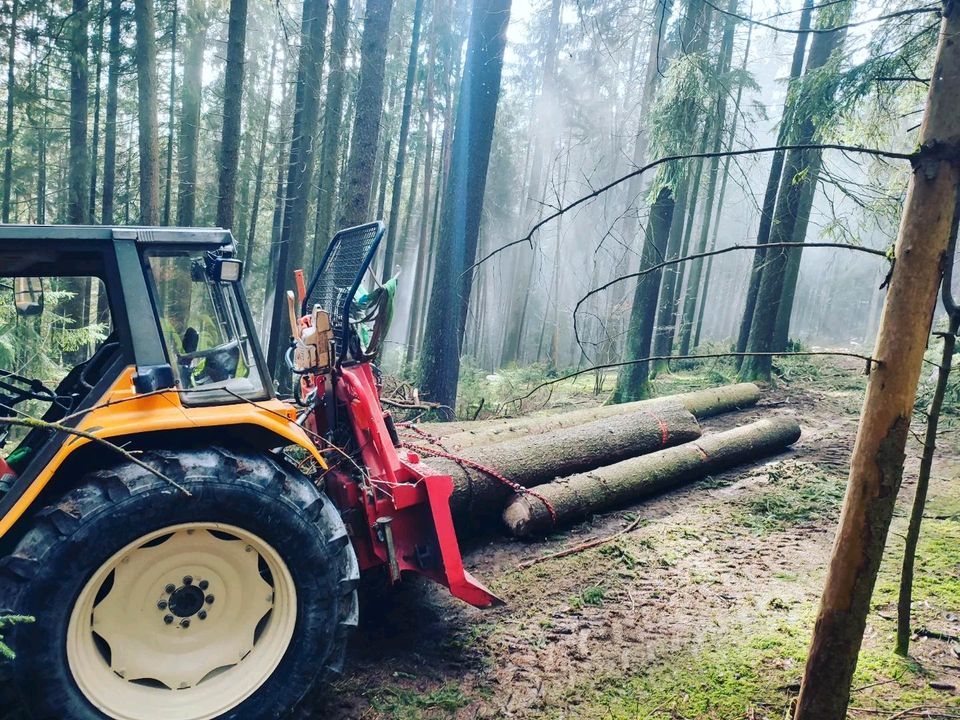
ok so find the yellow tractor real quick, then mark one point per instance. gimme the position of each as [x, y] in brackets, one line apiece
[180, 560]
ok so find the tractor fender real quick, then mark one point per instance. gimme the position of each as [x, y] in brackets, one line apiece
[125, 417]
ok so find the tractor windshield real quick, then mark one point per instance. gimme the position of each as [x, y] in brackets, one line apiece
[208, 339]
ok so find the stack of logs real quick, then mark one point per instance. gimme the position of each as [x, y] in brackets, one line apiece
[587, 461]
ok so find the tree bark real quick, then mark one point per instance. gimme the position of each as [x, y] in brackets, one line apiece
[358, 183]
[8, 137]
[617, 485]
[232, 105]
[261, 158]
[110, 121]
[146, 57]
[395, 198]
[797, 187]
[876, 466]
[197, 21]
[463, 201]
[538, 459]
[299, 174]
[632, 380]
[332, 120]
[717, 126]
[701, 404]
[79, 174]
[171, 112]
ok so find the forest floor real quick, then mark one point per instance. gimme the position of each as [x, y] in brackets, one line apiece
[703, 611]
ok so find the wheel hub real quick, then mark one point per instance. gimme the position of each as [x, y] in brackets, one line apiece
[144, 640]
[186, 601]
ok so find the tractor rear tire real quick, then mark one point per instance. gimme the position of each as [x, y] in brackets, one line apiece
[126, 576]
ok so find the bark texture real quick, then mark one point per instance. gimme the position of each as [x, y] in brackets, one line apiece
[876, 466]
[578, 496]
[534, 460]
[146, 56]
[700, 403]
[197, 21]
[232, 98]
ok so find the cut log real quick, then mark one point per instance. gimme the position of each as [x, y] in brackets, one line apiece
[533, 460]
[701, 403]
[578, 496]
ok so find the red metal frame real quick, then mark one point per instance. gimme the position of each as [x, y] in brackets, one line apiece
[398, 515]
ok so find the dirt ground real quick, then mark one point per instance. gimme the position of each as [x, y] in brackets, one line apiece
[703, 611]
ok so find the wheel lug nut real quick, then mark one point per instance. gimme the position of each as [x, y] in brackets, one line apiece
[168, 619]
[184, 623]
[162, 605]
[203, 584]
[202, 614]
[170, 588]
[188, 580]
[209, 599]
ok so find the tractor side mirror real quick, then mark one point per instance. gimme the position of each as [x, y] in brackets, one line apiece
[28, 296]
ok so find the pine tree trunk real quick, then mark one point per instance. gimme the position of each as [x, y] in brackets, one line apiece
[797, 186]
[42, 155]
[261, 157]
[391, 242]
[632, 379]
[197, 21]
[332, 120]
[110, 122]
[358, 183]
[716, 123]
[146, 57]
[773, 182]
[95, 137]
[463, 201]
[171, 111]
[876, 465]
[299, 174]
[8, 137]
[79, 172]
[232, 106]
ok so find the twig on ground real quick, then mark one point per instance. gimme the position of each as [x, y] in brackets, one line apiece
[581, 547]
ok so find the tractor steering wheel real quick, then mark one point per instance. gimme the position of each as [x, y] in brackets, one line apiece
[15, 389]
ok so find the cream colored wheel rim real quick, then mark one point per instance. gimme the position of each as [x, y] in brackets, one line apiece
[183, 624]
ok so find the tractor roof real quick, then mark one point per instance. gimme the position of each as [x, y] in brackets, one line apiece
[72, 233]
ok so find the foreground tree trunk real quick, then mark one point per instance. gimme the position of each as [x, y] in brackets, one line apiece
[146, 55]
[617, 485]
[171, 112]
[232, 99]
[463, 202]
[79, 167]
[358, 183]
[632, 380]
[876, 466]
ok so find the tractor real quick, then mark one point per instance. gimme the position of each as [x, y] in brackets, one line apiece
[188, 544]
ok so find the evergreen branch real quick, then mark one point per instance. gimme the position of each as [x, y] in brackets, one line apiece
[6, 652]
[711, 253]
[858, 23]
[33, 423]
[706, 356]
[563, 209]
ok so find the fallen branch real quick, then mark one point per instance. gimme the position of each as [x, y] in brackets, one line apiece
[581, 547]
[126, 454]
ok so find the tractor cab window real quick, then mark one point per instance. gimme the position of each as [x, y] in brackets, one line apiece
[204, 328]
